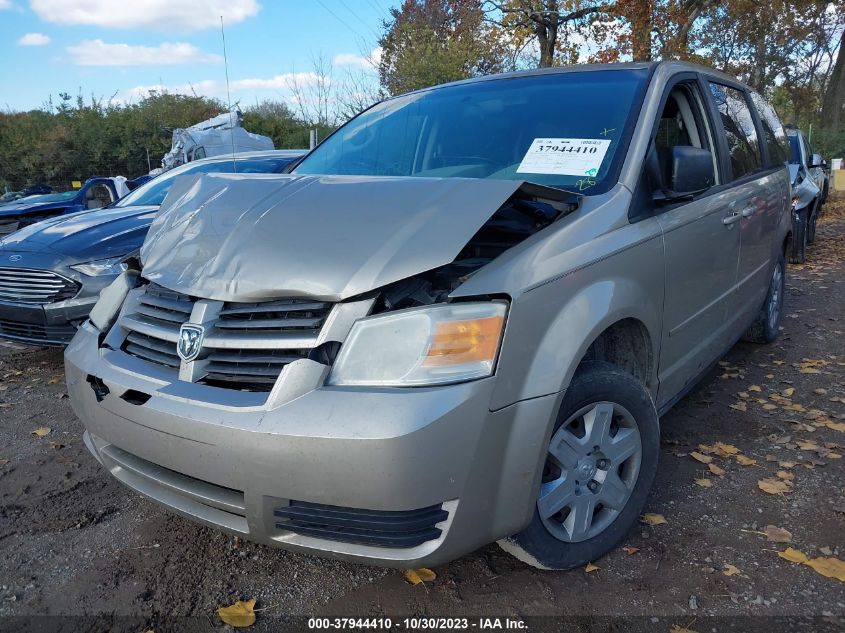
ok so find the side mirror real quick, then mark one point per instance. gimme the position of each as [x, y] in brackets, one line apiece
[816, 160]
[690, 173]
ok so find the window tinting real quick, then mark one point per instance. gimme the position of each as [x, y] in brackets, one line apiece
[739, 129]
[484, 129]
[772, 130]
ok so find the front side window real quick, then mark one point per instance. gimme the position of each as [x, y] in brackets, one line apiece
[741, 134]
[775, 137]
[567, 130]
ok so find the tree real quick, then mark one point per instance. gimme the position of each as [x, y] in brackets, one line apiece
[427, 42]
[834, 96]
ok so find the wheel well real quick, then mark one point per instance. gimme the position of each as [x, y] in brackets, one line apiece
[627, 345]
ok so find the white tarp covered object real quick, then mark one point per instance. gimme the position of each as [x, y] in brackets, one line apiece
[222, 134]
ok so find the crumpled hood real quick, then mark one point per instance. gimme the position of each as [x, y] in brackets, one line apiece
[86, 235]
[257, 237]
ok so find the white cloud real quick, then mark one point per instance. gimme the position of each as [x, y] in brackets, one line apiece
[33, 39]
[369, 62]
[5, 4]
[285, 81]
[167, 15]
[99, 53]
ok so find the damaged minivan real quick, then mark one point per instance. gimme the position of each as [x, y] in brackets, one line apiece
[457, 320]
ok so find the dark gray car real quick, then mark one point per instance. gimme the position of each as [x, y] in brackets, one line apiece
[456, 322]
[52, 272]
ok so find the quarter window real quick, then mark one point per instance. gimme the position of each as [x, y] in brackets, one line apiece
[739, 127]
[775, 137]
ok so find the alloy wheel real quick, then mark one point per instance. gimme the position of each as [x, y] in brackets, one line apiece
[591, 468]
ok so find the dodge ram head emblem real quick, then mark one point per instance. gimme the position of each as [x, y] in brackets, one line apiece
[190, 341]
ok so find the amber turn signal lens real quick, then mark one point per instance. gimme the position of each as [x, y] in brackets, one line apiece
[456, 342]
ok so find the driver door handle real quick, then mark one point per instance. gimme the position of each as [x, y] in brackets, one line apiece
[748, 211]
[732, 218]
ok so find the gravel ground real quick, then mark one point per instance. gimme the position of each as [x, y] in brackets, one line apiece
[76, 543]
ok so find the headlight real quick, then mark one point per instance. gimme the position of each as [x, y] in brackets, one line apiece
[111, 266]
[439, 344]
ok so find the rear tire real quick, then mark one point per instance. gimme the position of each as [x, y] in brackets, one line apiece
[798, 250]
[811, 222]
[766, 326]
[599, 468]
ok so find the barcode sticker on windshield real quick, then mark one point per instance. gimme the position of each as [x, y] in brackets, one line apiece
[564, 156]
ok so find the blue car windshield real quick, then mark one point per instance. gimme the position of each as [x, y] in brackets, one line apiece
[154, 191]
[566, 130]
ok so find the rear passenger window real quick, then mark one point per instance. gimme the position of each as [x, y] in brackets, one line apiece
[773, 131]
[739, 129]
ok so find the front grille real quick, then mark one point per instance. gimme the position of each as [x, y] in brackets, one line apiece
[367, 527]
[27, 285]
[247, 346]
[37, 333]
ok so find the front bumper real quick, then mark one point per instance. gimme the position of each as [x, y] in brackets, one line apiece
[51, 325]
[186, 446]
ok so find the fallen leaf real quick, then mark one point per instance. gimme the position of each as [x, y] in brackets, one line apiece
[631, 550]
[793, 555]
[680, 629]
[730, 570]
[776, 534]
[806, 445]
[745, 461]
[725, 449]
[41, 431]
[786, 464]
[770, 376]
[653, 519]
[833, 456]
[809, 370]
[720, 472]
[53, 381]
[785, 475]
[828, 567]
[591, 568]
[788, 392]
[773, 486]
[240, 615]
[739, 406]
[56, 445]
[704, 459]
[754, 388]
[421, 575]
[769, 407]
[826, 551]
[704, 483]
[820, 391]
[3, 462]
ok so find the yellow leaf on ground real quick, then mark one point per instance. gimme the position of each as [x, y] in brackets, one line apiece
[591, 568]
[739, 406]
[836, 426]
[776, 534]
[809, 370]
[770, 376]
[785, 475]
[773, 486]
[769, 407]
[754, 388]
[704, 482]
[41, 431]
[704, 459]
[719, 472]
[653, 519]
[788, 392]
[240, 615]
[806, 445]
[828, 567]
[793, 555]
[680, 629]
[417, 576]
[820, 391]
[833, 456]
[745, 461]
[786, 464]
[730, 570]
[725, 449]
[631, 550]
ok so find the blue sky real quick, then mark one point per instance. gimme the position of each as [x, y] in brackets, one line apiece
[127, 46]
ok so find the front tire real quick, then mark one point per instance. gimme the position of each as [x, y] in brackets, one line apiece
[599, 468]
[798, 250]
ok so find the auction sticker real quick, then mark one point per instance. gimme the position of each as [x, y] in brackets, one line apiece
[564, 156]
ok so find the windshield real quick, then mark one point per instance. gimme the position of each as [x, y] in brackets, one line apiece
[49, 197]
[564, 130]
[794, 150]
[154, 191]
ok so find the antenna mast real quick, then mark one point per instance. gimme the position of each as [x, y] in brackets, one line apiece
[228, 96]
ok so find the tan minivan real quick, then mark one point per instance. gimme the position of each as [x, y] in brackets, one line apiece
[455, 322]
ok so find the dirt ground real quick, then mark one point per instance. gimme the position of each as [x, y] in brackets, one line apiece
[74, 542]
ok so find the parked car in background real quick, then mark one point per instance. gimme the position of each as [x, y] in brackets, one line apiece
[809, 191]
[455, 321]
[95, 193]
[51, 273]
